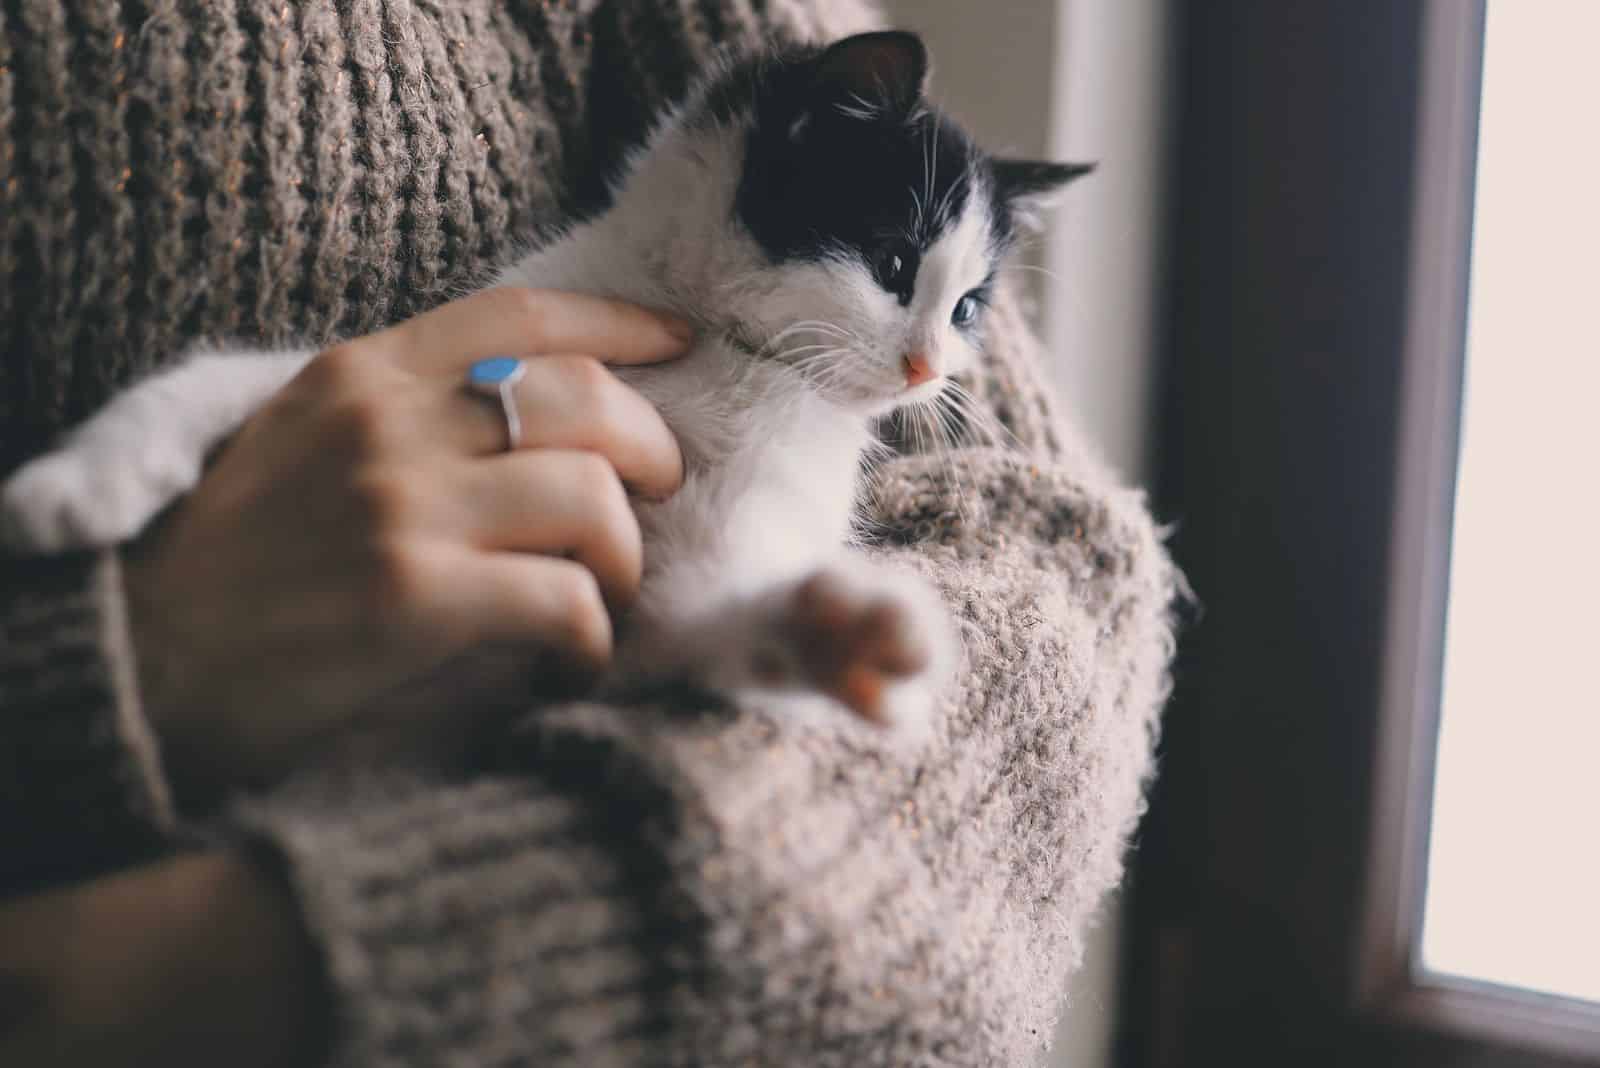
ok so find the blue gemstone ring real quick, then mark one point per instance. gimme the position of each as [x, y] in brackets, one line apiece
[497, 377]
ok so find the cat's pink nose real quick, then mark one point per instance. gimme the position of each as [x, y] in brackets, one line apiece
[918, 369]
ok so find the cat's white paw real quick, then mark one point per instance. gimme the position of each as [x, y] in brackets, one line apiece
[869, 639]
[75, 499]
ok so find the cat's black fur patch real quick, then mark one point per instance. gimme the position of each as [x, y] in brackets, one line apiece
[846, 185]
[838, 169]
[1015, 180]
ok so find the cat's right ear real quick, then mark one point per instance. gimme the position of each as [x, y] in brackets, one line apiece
[877, 74]
[1029, 187]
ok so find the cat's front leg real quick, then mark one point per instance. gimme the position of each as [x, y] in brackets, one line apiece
[143, 451]
[872, 639]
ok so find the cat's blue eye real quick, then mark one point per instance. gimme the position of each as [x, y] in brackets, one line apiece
[966, 311]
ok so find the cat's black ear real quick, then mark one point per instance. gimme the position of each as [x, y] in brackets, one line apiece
[1028, 186]
[874, 72]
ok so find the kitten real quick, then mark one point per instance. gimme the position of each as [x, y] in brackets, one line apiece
[836, 240]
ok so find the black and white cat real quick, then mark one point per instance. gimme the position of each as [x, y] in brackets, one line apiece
[836, 240]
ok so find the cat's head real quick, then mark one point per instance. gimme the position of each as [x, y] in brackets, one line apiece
[881, 223]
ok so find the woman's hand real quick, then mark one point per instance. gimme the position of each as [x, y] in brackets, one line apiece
[368, 524]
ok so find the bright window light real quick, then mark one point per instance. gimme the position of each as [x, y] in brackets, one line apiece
[1514, 866]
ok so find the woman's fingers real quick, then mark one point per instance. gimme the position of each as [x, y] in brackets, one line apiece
[572, 402]
[553, 501]
[519, 598]
[517, 321]
[564, 401]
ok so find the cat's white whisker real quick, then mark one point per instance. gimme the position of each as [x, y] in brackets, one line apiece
[827, 371]
[807, 324]
[817, 326]
[978, 416]
[948, 434]
[791, 354]
[1047, 272]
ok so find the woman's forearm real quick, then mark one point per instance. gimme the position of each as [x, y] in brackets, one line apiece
[196, 960]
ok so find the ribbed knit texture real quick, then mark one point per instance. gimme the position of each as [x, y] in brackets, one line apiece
[619, 886]
[81, 787]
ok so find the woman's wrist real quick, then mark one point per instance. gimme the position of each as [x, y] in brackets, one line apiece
[194, 773]
[197, 959]
[151, 664]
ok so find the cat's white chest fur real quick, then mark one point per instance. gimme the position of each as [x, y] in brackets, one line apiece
[770, 477]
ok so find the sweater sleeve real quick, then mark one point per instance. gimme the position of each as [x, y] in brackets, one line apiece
[81, 786]
[729, 887]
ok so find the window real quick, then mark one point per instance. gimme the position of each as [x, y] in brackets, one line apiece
[1322, 301]
[1513, 879]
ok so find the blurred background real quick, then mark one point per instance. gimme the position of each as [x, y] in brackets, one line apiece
[1330, 299]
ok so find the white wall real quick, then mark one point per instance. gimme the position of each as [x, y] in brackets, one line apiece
[1077, 80]
[1112, 83]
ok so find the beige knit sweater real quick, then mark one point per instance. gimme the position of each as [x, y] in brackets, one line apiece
[617, 886]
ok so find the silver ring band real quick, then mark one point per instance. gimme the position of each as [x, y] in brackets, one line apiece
[508, 408]
[497, 377]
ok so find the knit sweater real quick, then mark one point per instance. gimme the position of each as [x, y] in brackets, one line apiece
[672, 884]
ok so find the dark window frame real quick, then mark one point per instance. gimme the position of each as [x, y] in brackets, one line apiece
[1309, 416]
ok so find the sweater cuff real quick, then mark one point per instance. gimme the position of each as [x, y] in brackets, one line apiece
[81, 785]
[499, 916]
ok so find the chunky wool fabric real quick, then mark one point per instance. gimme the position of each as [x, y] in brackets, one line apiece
[665, 884]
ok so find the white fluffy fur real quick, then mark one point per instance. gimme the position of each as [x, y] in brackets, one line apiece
[773, 445]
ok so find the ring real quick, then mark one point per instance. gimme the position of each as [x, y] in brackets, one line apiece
[496, 377]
